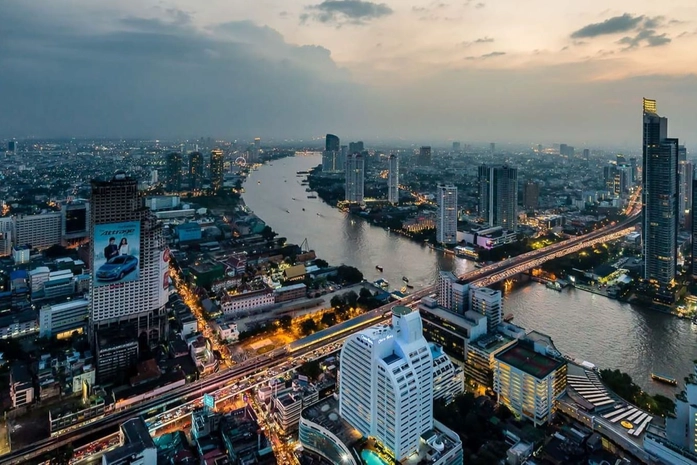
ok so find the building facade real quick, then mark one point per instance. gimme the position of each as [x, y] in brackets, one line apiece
[393, 179]
[195, 170]
[498, 195]
[446, 224]
[659, 198]
[386, 388]
[529, 382]
[139, 297]
[63, 319]
[217, 169]
[424, 157]
[40, 231]
[487, 302]
[173, 172]
[531, 195]
[453, 294]
[355, 178]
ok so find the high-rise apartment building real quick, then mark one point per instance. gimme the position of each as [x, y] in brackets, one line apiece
[453, 294]
[456, 147]
[487, 302]
[173, 172]
[386, 388]
[40, 231]
[217, 169]
[130, 271]
[356, 147]
[586, 154]
[195, 170]
[332, 143]
[355, 178]
[659, 197]
[531, 195]
[6, 232]
[498, 195]
[393, 179]
[424, 156]
[446, 223]
[492, 147]
[634, 173]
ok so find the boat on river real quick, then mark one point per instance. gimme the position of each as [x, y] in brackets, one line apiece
[664, 379]
[379, 268]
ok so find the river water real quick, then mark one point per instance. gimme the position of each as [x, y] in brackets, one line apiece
[605, 332]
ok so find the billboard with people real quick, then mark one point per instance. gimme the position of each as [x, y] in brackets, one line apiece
[116, 253]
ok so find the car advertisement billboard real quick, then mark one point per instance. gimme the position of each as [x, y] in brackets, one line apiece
[116, 253]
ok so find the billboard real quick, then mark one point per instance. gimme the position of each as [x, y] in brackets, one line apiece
[164, 276]
[116, 253]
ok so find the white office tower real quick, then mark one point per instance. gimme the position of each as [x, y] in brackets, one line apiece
[393, 179]
[386, 384]
[452, 294]
[446, 225]
[487, 302]
[355, 174]
[128, 259]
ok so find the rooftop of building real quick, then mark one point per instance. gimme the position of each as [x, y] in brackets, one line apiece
[523, 357]
[136, 439]
[492, 343]
[326, 414]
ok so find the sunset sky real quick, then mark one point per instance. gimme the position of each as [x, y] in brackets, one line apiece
[527, 71]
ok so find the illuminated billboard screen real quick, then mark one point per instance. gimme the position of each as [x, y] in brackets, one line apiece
[116, 253]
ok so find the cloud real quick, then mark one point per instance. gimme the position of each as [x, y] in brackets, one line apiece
[342, 12]
[486, 56]
[481, 40]
[613, 25]
[646, 36]
[142, 77]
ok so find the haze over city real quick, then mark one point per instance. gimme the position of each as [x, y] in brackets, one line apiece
[421, 71]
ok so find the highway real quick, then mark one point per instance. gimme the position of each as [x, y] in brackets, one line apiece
[480, 277]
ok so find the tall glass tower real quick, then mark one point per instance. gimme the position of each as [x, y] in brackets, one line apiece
[659, 198]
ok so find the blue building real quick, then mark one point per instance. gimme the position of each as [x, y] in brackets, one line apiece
[190, 231]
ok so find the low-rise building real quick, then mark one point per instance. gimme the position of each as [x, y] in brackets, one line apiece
[233, 304]
[292, 292]
[21, 385]
[63, 319]
[137, 446]
[529, 382]
[489, 238]
[19, 324]
[227, 331]
[290, 404]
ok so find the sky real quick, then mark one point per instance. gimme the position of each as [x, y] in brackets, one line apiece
[422, 71]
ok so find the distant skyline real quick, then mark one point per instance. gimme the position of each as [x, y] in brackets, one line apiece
[468, 70]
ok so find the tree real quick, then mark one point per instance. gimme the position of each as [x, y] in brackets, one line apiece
[337, 301]
[321, 263]
[285, 322]
[328, 319]
[308, 326]
[351, 299]
[268, 233]
[310, 369]
[56, 251]
[349, 274]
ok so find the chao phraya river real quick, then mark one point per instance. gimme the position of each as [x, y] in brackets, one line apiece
[605, 332]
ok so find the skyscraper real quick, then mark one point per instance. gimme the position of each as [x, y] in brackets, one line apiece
[587, 154]
[659, 197]
[492, 147]
[446, 223]
[195, 170]
[531, 195]
[331, 155]
[355, 173]
[173, 170]
[386, 388]
[498, 195]
[453, 294]
[685, 175]
[456, 147]
[217, 161]
[393, 179]
[424, 156]
[634, 175]
[12, 146]
[694, 230]
[332, 143]
[130, 272]
[356, 147]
